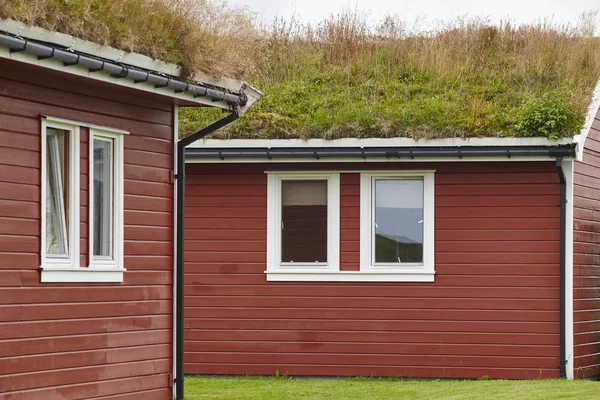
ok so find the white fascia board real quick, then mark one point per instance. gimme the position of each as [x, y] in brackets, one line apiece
[589, 121]
[375, 142]
[81, 71]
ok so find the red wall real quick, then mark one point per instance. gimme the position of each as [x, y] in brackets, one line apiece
[492, 310]
[586, 257]
[72, 341]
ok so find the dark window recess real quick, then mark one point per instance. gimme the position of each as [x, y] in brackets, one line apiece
[304, 221]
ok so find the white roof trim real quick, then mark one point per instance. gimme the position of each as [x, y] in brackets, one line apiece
[79, 70]
[376, 142]
[589, 121]
[110, 53]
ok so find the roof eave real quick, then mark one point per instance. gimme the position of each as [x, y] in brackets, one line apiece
[65, 53]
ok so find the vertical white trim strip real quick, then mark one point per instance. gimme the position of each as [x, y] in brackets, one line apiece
[175, 313]
[43, 193]
[568, 168]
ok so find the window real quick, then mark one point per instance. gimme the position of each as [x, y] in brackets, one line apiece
[106, 199]
[303, 224]
[60, 193]
[397, 225]
[60, 188]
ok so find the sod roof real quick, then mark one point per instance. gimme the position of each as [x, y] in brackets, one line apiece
[348, 78]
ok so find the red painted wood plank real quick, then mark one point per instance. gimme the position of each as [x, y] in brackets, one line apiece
[50, 328]
[82, 310]
[45, 345]
[322, 336]
[414, 371]
[372, 359]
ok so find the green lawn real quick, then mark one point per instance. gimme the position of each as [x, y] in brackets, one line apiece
[257, 388]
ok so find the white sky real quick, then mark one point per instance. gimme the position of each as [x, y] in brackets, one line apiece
[559, 11]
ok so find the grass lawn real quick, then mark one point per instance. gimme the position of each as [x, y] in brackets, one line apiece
[257, 388]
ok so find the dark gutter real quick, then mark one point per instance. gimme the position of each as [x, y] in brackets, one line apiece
[118, 70]
[392, 153]
[563, 275]
[180, 215]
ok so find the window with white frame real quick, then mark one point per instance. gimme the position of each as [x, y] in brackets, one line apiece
[303, 224]
[60, 191]
[397, 225]
[60, 233]
[106, 199]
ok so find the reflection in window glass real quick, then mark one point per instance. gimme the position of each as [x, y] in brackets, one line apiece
[102, 197]
[56, 190]
[304, 221]
[398, 221]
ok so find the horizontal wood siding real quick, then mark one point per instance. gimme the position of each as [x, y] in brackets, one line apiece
[586, 257]
[492, 310]
[84, 341]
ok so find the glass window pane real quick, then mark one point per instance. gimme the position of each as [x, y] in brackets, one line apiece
[304, 221]
[398, 220]
[102, 198]
[56, 199]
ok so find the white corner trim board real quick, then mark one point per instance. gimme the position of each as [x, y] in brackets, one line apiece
[568, 167]
[81, 275]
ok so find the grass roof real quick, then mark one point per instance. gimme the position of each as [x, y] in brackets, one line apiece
[469, 79]
[199, 35]
[346, 77]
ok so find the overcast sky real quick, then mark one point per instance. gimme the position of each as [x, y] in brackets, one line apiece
[560, 11]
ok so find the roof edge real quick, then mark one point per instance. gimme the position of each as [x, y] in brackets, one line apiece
[378, 142]
[589, 121]
[134, 59]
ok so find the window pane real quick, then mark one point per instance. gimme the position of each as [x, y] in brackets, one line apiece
[304, 221]
[103, 203]
[399, 220]
[56, 223]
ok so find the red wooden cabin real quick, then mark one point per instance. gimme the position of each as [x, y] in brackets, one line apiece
[87, 232]
[441, 258]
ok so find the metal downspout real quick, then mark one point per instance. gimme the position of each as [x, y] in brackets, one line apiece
[563, 221]
[180, 211]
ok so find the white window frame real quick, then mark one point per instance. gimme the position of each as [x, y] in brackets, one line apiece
[398, 272]
[63, 270]
[279, 271]
[72, 211]
[115, 261]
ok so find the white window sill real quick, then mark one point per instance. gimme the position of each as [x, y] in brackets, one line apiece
[349, 276]
[81, 275]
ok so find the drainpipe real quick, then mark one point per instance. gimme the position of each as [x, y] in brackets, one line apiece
[563, 221]
[180, 176]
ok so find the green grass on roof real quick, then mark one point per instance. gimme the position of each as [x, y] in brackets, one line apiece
[343, 79]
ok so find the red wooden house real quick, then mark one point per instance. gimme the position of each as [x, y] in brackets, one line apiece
[448, 258]
[88, 139]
